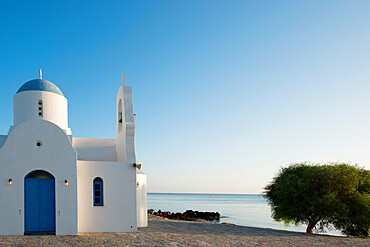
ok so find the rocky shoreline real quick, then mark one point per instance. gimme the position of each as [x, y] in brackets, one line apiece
[188, 215]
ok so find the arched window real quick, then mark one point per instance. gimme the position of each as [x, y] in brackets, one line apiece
[98, 192]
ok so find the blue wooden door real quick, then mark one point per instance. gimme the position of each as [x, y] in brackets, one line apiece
[39, 204]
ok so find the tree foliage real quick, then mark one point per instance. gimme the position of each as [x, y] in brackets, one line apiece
[321, 195]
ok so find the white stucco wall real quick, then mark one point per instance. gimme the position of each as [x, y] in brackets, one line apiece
[119, 184]
[54, 108]
[93, 149]
[141, 199]
[19, 156]
[130, 125]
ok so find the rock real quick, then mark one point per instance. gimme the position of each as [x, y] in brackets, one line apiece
[188, 215]
[226, 223]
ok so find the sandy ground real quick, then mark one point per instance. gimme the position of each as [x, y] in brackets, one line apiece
[162, 232]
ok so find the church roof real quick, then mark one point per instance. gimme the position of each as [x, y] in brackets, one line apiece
[40, 85]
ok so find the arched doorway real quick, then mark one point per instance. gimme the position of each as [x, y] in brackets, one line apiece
[39, 202]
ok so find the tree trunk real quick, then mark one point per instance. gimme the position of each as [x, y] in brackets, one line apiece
[310, 227]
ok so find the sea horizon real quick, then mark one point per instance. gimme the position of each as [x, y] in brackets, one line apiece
[250, 210]
[206, 193]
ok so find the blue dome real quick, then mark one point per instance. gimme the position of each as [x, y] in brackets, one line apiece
[40, 85]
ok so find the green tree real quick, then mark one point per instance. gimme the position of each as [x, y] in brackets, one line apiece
[322, 195]
[351, 188]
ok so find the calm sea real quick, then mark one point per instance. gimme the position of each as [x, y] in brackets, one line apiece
[244, 210]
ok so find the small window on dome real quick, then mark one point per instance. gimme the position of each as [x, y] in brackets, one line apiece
[39, 108]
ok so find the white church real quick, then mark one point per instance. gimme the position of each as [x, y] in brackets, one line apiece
[54, 183]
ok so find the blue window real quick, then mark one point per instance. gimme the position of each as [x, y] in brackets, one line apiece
[98, 192]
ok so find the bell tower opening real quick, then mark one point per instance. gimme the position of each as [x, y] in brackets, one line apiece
[120, 116]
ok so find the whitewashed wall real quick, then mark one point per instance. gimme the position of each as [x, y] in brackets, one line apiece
[19, 156]
[119, 184]
[93, 149]
[130, 125]
[141, 199]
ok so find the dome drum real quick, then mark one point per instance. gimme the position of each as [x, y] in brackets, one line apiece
[41, 99]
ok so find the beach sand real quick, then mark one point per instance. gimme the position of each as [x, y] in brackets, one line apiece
[163, 232]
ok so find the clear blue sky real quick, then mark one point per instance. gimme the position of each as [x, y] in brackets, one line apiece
[225, 92]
